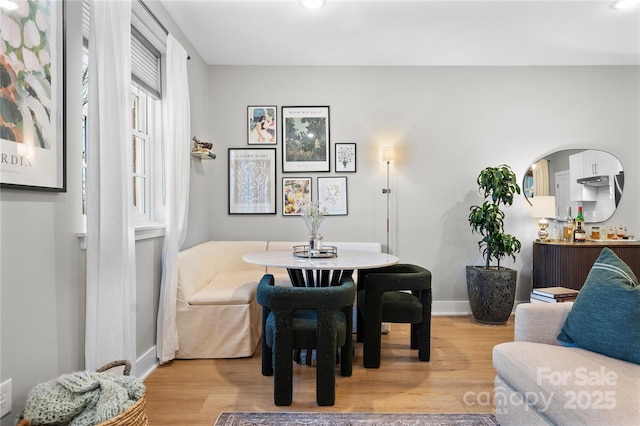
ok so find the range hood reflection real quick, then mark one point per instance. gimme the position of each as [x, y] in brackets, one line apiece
[595, 181]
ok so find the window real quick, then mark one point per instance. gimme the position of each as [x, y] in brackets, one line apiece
[144, 147]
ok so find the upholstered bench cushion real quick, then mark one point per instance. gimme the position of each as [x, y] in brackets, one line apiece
[231, 288]
[570, 385]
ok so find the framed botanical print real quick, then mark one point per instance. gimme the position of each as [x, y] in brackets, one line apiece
[296, 195]
[262, 122]
[32, 140]
[345, 155]
[252, 181]
[305, 139]
[332, 195]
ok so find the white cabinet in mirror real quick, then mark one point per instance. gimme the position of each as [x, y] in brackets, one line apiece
[589, 178]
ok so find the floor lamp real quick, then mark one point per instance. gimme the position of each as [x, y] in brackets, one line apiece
[388, 155]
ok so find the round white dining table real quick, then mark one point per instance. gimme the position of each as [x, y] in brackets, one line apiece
[321, 271]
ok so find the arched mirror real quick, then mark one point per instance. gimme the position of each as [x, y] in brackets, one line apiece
[589, 178]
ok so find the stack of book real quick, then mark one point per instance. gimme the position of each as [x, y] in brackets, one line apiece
[554, 294]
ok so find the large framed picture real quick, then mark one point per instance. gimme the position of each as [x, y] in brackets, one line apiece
[296, 195]
[345, 155]
[262, 122]
[332, 195]
[305, 139]
[32, 136]
[252, 181]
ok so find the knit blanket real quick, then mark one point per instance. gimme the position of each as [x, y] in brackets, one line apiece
[81, 398]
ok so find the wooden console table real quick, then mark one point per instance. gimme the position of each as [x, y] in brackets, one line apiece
[566, 264]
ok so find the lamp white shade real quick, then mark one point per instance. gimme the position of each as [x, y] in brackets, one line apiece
[388, 154]
[543, 206]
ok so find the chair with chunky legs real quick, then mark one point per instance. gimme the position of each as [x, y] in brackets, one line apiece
[399, 293]
[319, 318]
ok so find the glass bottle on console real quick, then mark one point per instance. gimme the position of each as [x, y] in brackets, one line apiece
[580, 233]
[569, 227]
[580, 218]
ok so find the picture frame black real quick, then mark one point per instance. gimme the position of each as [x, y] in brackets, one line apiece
[297, 193]
[305, 139]
[252, 181]
[333, 195]
[33, 147]
[262, 125]
[345, 157]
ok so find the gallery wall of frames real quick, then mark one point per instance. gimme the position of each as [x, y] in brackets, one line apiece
[302, 135]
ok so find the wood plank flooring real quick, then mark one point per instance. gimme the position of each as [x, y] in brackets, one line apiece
[458, 379]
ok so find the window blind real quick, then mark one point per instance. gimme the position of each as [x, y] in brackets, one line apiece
[145, 59]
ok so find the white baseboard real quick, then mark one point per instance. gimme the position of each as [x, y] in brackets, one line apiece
[146, 364]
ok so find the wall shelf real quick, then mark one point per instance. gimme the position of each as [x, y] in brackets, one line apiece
[203, 155]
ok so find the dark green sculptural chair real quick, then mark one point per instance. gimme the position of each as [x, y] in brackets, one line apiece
[320, 318]
[381, 299]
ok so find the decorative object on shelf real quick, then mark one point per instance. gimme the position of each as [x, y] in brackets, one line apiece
[313, 217]
[296, 195]
[388, 155]
[345, 154]
[32, 144]
[262, 122]
[252, 181]
[202, 149]
[305, 139]
[332, 195]
[492, 289]
[543, 206]
[320, 252]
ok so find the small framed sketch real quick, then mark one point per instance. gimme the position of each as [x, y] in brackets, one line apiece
[332, 195]
[305, 139]
[296, 195]
[252, 181]
[261, 125]
[345, 154]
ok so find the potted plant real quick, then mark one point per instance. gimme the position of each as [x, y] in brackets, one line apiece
[492, 289]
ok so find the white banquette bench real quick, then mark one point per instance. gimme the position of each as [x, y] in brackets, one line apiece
[217, 314]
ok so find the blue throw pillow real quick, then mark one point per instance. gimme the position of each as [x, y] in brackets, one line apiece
[605, 317]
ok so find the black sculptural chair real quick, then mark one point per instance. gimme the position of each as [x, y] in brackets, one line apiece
[381, 299]
[319, 318]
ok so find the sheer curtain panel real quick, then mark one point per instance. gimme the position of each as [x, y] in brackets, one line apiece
[176, 132]
[111, 287]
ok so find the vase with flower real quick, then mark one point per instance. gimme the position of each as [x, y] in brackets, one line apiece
[313, 217]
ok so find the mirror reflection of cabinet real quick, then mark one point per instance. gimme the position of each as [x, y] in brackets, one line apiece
[592, 179]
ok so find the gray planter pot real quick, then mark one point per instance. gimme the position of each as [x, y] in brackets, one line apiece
[492, 293]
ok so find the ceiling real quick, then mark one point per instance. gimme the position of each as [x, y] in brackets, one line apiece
[423, 33]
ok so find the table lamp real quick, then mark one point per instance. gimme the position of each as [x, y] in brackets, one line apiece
[544, 206]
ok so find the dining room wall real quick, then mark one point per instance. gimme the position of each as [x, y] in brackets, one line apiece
[446, 123]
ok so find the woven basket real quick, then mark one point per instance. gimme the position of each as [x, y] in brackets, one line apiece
[136, 415]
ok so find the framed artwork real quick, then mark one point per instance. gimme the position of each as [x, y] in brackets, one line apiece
[32, 136]
[332, 195]
[296, 195]
[262, 122]
[345, 154]
[305, 139]
[252, 181]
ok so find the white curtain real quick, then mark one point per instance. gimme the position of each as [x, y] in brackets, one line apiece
[176, 131]
[541, 178]
[111, 287]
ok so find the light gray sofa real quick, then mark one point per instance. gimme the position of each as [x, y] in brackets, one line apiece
[540, 382]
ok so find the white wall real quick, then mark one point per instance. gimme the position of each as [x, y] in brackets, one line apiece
[447, 124]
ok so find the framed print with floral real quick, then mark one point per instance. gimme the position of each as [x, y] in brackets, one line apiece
[305, 139]
[32, 131]
[262, 122]
[345, 154]
[252, 181]
[332, 195]
[296, 195]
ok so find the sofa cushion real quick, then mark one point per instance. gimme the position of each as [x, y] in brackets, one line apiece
[569, 385]
[231, 288]
[605, 315]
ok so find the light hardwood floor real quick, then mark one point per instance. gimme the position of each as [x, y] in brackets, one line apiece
[458, 379]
